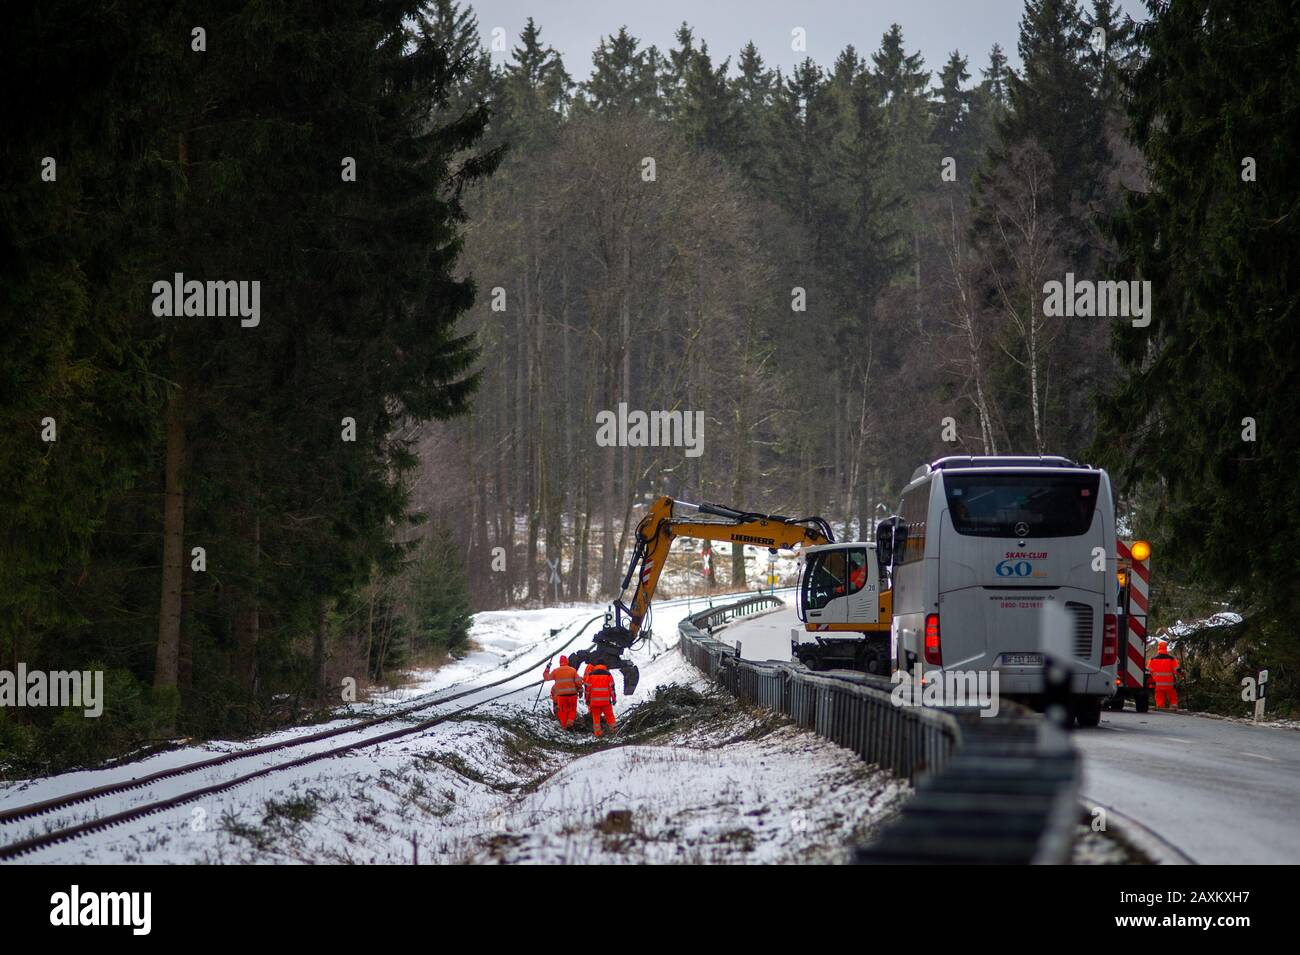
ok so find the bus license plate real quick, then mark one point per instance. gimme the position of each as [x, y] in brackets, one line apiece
[1022, 659]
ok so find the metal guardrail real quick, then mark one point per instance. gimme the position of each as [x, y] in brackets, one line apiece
[999, 789]
[855, 711]
[715, 617]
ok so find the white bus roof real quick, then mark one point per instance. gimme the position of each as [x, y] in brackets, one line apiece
[1017, 462]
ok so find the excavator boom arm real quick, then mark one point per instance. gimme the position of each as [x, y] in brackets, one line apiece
[669, 519]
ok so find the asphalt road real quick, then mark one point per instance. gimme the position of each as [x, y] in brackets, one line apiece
[1217, 791]
[1221, 792]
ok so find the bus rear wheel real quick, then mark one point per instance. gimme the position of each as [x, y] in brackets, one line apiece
[1088, 714]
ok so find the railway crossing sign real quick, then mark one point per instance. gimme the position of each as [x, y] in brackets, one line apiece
[555, 576]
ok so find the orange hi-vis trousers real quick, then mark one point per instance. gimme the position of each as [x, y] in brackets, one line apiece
[1166, 696]
[566, 709]
[597, 711]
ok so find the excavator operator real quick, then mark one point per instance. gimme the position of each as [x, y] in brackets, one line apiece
[857, 575]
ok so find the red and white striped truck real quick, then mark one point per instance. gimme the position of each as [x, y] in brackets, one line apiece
[1133, 570]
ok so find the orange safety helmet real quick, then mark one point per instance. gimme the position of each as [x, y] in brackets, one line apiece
[564, 661]
[1162, 646]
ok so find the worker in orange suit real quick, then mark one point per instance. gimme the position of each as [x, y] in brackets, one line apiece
[1164, 667]
[564, 695]
[600, 695]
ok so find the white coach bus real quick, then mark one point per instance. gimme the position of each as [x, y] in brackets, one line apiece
[1005, 563]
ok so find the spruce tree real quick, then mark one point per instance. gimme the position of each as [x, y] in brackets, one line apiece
[995, 76]
[707, 115]
[623, 75]
[1052, 104]
[1207, 413]
[953, 115]
[753, 88]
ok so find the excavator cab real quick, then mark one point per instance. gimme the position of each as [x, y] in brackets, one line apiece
[842, 602]
[668, 519]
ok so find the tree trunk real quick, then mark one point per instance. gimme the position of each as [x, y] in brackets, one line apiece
[245, 623]
[539, 434]
[582, 588]
[167, 661]
[318, 650]
[866, 507]
[740, 489]
[185, 657]
[606, 462]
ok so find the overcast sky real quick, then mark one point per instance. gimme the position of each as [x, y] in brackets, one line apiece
[935, 27]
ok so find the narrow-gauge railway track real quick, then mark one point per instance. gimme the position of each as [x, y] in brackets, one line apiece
[31, 844]
[80, 797]
[71, 800]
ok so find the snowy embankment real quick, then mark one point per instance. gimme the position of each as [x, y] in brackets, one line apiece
[699, 780]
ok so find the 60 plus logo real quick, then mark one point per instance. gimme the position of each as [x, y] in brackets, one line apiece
[1019, 564]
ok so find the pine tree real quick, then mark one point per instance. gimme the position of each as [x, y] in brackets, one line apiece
[1219, 246]
[1111, 48]
[898, 74]
[1034, 200]
[910, 159]
[447, 26]
[753, 89]
[672, 79]
[706, 112]
[623, 76]
[229, 168]
[72, 281]
[796, 133]
[995, 76]
[952, 112]
[1052, 104]
[535, 85]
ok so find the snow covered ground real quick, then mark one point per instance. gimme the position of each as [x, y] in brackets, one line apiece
[683, 572]
[502, 642]
[1181, 629]
[504, 783]
[763, 636]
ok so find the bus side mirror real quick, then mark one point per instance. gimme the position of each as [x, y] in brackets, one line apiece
[889, 537]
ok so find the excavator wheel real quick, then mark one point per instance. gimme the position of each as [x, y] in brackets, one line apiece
[875, 658]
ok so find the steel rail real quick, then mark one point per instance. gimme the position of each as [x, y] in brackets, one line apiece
[73, 799]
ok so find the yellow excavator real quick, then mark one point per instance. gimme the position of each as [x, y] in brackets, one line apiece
[844, 600]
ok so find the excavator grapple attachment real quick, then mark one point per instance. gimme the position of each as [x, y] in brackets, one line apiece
[631, 676]
[608, 646]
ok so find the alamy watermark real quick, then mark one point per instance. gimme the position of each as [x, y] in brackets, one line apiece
[1085, 298]
[75, 907]
[194, 299]
[73, 688]
[975, 689]
[651, 429]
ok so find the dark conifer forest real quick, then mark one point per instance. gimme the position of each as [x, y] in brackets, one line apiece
[448, 262]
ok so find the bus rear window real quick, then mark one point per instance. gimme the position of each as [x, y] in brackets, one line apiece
[1023, 504]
